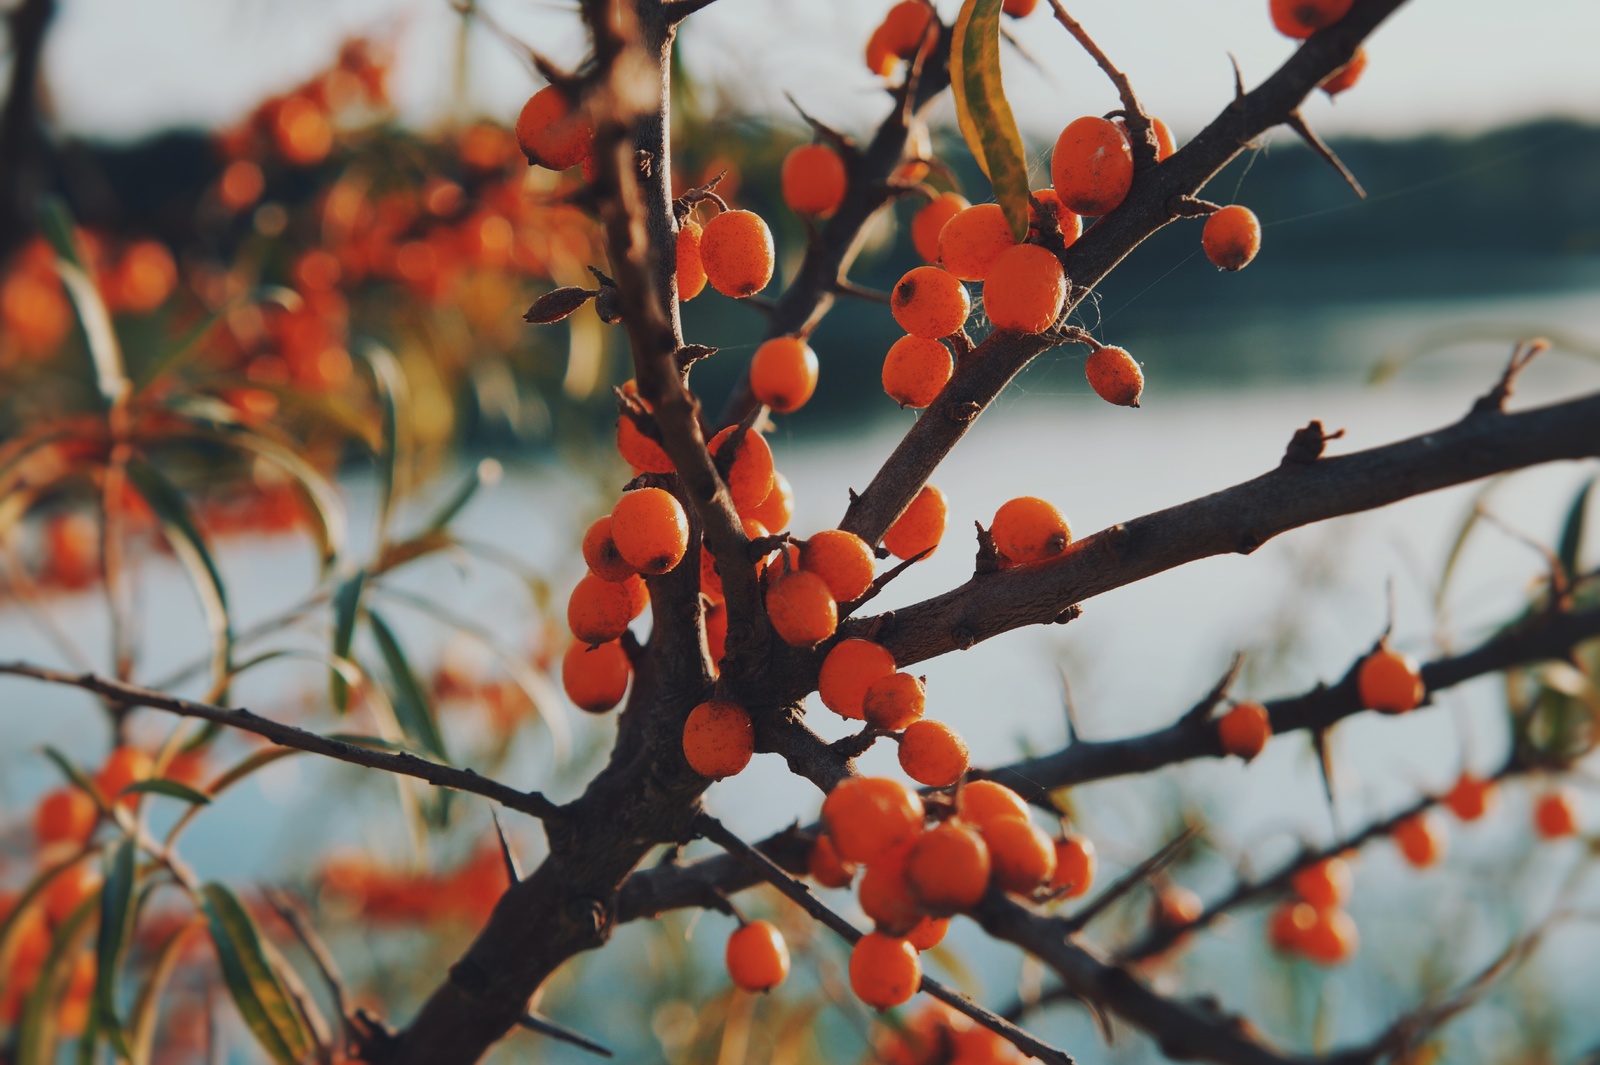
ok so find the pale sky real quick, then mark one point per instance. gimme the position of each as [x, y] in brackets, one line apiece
[120, 68]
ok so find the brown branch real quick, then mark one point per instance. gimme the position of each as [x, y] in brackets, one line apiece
[23, 145]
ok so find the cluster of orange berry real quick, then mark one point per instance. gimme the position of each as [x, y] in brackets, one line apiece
[938, 1035]
[1314, 923]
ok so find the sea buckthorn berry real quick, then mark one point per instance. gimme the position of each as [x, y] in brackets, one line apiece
[65, 815]
[550, 133]
[916, 370]
[1070, 224]
[920, 527]
[639, 451]
[929, 302]
[1025, 290]
[885, 896]
[1019, 8]
[1288, 925]
[736, 250]
[1114, 376]
[1245, 730]
[783, 373]
[933, 754]
[948, 868]
[849, 668]
[601, 554]
[813, 180]
[1177, 906]
[599, 611]
[826, 867]
[1346, 76]
[1092, 166]
[1166, 144]
[870, 817]
[145, 276]
[905, 27]
[718, 739]
[929, 222]
[971, 241]
[67, 891]
[750, 474]
[1232, 237]
[777, 509]
[802, 609]
[123, 767]
[1302, 18]
[1390, 682]
[1325, 884]
[1023, 858]
[1555, 815]
[595, 678]
[1332, 937]
[1029, 529]
[1421, 839]
[1075, 864]
[983, 801]
[691, 271]
[893, 702]
[881, 60]
[757, 957]
[841, 559]
[1471, 797]
[884, 971]
[650, 529]
[928, 933]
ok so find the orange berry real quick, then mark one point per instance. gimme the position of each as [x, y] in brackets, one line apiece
[144, 278]
[301, 131]
[1029, 529]
[885, 895]
[650, 530]
[1245, 730]
[123, 766]
[67, 891]
[929, 302]
[1025, 290]
[750, 475]
[1019, 8]
[1092, 166]
[1166, 144]
[777, 509]
[550, 133]
[1325, 884]
[948, 868]
[1289, 924]
[1177, 906]
[1421, 838]
[971, 241]
[1332, 937]
[639, 451]
[871, 817]
[916, 370]
[1302, 18]
[932, 753]
[595, 678]
[1023, 857]
[599, 611]
[849, 668]
[920, 527]
[783, 373]
[843, 560]
[1390, 682]
[880, 59]
[928, 933]
[691, 271]
[813, 179]
[736, 248]
[905, 27]
[826, 867]
[1075, 864]
[893, 702]
[718, 739]
[884, 971]
[1471, 797]
[801, 609]
[757, 957]
[241, 185]
[1232, 237]
[601, 554]
[1070, 224]
[65, 815]
[1346, 76]
[929, 222]
[983, 801]
[1114, 376]
[1555, 815]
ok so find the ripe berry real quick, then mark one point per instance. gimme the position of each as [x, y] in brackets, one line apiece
[885, 896]
[920, 527]
[880, 60]
[1023, 857]
[1421, 838]
[123, 767]
[601, 554]
[1245, 730]
[870, 817]
[757, 957]
[1075, 863]
[1114, 376]
[691, 271]
[884, 971]
[929, 302]
[1070, 224]
[595, 678]
[1029, 529]
[1288, 925]
[736, 249]
[650, 529]
[1325, 884]
[1232, 237]
[948, 868]
[1092, 166]
[639, 451]
[1025, 289]
[1346, 76]
[929, 223]
[928, 933]
[1166, 144]
[65, 815]
[777, 509]
[599, 611]
[718, 739]
[1555, 814]
[826, 867]
[1390, 682]
[750, 475]
[783, 373]
[1302, 18]
[905, 27]
[550, 134]
[1332, 937]
[813, 180]
[1177, 907]
[1471, 797]
[802, 609]
[916, 370]
[1019, 8]
[971, 241]
[851, 665]
[983, 801]
[893, 702]
[843, 560]
[68, 890]
[933, 754]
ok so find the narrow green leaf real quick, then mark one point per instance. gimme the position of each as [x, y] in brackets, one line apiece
[412, 707]
[56, 223]
[116, 928]
[346, 607]
[1463, 533]
[77, 776]
[104, 348]
[257, 992]
[393, 395]
[37, 1036]
[983, 112]
[142, 1021]
[1571, 545]
[170, 788]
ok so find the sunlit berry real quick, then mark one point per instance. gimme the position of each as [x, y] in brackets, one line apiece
[849, 668]
[884, 970]
[982, 801]
[757, 957]
[929, 222]
[885, 895]
[750, 473]
[1232, 237]
[870, 817]
[971, 241]
[551, 132]
[928, 933]
[1029, 529]
[595, 678]
[737, 252]
[1075, 865]
[929, 302]
[783, 373]
[1091, 167]
[801, 609]
[777, 509]
[599, 611]
[718, 739]
[601, 554]
[824, 865]
[948, 868]
[915, 370]
[650, 530]
[842, 559]
[1023, 857]
[893, 702]
[932, 753]
[691, 271]
[1066, 220]
[920, 527]
[813, 180]
[1390, 682]
[1114, 376]
[1025, 290]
